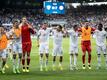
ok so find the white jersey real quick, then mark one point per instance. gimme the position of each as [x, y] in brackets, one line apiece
[16, 42]
[15, 38]
[44, 35]
[73, 38]
[57, 37]
[100, 37]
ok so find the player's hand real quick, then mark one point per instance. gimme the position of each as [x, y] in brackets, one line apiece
[29, 25]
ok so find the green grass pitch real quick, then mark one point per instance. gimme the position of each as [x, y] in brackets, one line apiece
[80, 74]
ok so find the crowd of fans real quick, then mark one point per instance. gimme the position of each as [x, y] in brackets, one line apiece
[93, 14]
[7, 15]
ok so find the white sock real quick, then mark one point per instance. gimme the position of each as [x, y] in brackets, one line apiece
[75, 60]
[10, 55]
[14, 63]
[46, 63]
[18, 63]
[70, 61]
[105, 59]
[53, 63]
[0, 64]
[99, 60]
[60, 64]
[41, 62]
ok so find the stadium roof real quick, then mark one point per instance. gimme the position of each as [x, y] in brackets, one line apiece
[33, 2]
[82, 1]
[71, 1]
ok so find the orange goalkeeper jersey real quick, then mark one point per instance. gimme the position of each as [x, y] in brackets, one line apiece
[86, 33]
[17, 32]
[3, 42]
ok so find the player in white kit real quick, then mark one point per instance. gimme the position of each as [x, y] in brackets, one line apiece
[100, 36]
[15, 32]
[43, 43]
[73, 47]
[57, 43]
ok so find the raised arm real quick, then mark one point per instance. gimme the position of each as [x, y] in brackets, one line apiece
[32, 30]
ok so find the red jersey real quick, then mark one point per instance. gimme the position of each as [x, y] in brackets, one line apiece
[26, 32]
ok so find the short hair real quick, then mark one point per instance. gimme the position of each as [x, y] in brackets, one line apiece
[15, 20]
[100, 25]
[74, 26]
[1, 26]
[60, 26]
[24, 17]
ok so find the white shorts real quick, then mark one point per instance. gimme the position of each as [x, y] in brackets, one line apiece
[57, 51]
[3, 53]
[43, 48]
[73, 50]
[17, 48]
[10, 46]
[101, 49]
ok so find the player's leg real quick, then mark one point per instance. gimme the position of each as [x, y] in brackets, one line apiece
[105, 54]
[14, 62]
[41, 51]
[60, 54]
[6, 65]
[0, 62]
[28, 56]
[46, 62]
[83, 54]
[60, 62]
[71, 57]
[23, 61]
[74, 55]
[19, 58]
[10, 52]
[28, 61]
[47, 56]
[23, 56]
[3, 61]
[41, 61]
[55, 51]
[75, 60]
[54, 60]
[89, 55]
[18, 62]
[71, 60]
[14, 57]
[83, 59]
[3, 65]
[98, 57]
